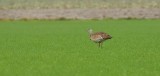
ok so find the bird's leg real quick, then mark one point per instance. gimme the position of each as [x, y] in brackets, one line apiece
[99, 44]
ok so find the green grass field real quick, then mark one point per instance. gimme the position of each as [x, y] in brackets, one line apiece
[62, 48]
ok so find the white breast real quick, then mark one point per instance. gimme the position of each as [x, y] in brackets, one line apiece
[97, 38]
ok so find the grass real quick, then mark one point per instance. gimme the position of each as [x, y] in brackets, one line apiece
[62, 48]
[47, 4]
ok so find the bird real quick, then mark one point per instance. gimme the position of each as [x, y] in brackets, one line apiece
[98, 37]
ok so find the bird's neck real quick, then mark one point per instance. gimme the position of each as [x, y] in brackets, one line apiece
[90, 32]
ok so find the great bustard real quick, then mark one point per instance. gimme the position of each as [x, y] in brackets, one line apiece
[98, 37]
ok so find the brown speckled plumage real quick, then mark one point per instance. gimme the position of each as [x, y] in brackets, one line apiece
[99, 37]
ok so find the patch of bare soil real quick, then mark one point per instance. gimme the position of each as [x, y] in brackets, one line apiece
[80, 13]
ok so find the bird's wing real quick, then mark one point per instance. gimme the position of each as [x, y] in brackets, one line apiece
[96, 37]
[102, 34]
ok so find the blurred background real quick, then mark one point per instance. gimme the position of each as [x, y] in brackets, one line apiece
[46, 4]
[79, 9]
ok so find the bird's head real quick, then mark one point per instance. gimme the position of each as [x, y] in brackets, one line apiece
[90, 31]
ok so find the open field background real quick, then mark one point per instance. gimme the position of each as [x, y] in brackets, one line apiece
[36, 45]
[62, 14]
[45, 4]
[79, 9]
[62, 48]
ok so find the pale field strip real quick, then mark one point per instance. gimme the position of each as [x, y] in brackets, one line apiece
[139, 13]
